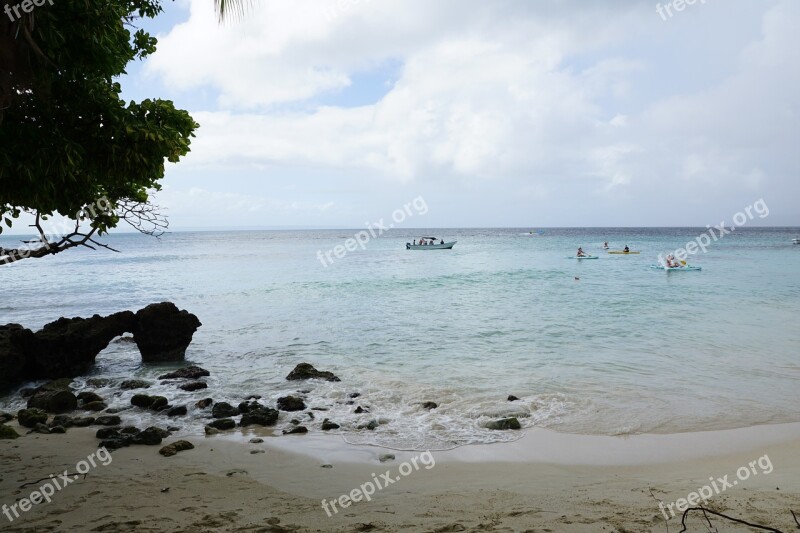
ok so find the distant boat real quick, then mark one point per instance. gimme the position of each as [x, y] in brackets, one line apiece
[432, 246]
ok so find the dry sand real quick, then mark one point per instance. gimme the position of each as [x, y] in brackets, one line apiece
[546, 481]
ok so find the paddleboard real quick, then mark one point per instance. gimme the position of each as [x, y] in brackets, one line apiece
[583, 257]
[683, 268]
[624, 253]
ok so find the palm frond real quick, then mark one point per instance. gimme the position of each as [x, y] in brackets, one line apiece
[230, 8]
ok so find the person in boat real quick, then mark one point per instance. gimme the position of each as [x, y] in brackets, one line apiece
[581, 252]
[605, 245]
[415, 242]
[441, 241]
[626, 250]
[671, 262]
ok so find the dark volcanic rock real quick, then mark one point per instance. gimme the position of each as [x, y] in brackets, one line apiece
[163, 332]
[142, 400]
[360, 410]
[189, 372]
[17, 346]
[30, 417]
[194, 385]
[295, 430]
[94, 406]
[223, 424]
[175, 447]
[109, 420]
[57, 429]
[54, 401]
[7, 433]
[89, 397]
[6, 417]
[204, 403]
[107, 433]
[327, 425]
[224, 410]
[259, 416]
[159, 403]
[149, 437]
[177, 411]
[430, 405]
[64, 421]
[115, 443]
[130, 430]
[133, 384]
[82, 422]
[306, 371]
[504, 424]
[290, 403]
[372, 425]
[512, 398]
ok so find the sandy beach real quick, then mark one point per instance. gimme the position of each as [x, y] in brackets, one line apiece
[546, 481]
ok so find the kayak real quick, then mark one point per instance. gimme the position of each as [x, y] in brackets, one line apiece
[582, 257]
[670, 269]
[624, 253]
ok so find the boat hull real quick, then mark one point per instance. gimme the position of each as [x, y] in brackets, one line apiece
[445, 246]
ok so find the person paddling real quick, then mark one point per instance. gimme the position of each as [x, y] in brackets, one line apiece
[580, 252]
[626, 250]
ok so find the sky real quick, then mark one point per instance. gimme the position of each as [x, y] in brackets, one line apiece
[499, 113]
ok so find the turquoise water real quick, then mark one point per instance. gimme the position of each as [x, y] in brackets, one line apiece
[624, 349]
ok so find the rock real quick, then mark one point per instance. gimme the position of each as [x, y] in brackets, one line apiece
[244, 407]
[306, 371]
[175, 447]
[64, 421]
[130, 430]
[354, 395]
[98, 383]
[163, 332]
[512, 398]
[116, 410]
[133, 384]
[211, 431]
[224, 410]
[386, 457]
[27, 392]
[253, 397]
[149, 437]
[504, 424]
[89, 397]
[189, 372]
[142, 400]
[327, 425]
[115, 443]
[430, 405]
[30, 417]
[6, 417]
[326, 466]
[94, 406]
[54, 401]
[57, 429]
[194, 386]
[7, 433]
[256, 441]
[40, 428]
[290, 403]
[371, 425]
[16, 346]
[294, 421]
[109, 420]
[178, 411]
[127, 339]
[295, 430]
[254, 452]
[223, 424]
[360, 410]
[310, 415]
[159, 403]
[204, 403]
[107, 433]
[82, 422]
[261, 416]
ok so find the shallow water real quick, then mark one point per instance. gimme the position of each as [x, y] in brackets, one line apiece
[625, 349]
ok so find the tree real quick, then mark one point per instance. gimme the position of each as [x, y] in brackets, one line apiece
[68, 143]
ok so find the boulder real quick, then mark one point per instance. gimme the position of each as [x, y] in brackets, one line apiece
[7, 433]
[189, 372]
[180, 410]
[82, 422]
[89, 397]
[108, 420]
[504, 424]
[159, 403]
[295, 430]
[57, 429]
[163, 332]
[149, 437]
[175, 447]
[133, 384]
[222, 424]
[142, 400]
[306, 371]
[224, 410]
[6, 417]
[261, 416]
[64, 421]
[327, 425]
[115, 443]
[107, 433]
[94, 406]
[30, 417]
[512, 398]
[17, 348]
[291, 403]
[194, 386]
[204, 403]
[372, 425]
[430, 405]
[360, 410]
[54, 401]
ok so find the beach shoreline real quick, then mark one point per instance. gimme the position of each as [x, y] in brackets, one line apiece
[544, 481]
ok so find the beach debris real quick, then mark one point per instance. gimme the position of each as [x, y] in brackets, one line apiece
[290, 403]
[430, 405]
[224, 410]
[386, 457]
[176, 447]
[504, 424]
[327, 425]
[194, 386]
[512, 398]
[7, 432]
[189, 372]
[307, 371]
[133, 384]
[295, 430]
[30, 417]
[179, 410]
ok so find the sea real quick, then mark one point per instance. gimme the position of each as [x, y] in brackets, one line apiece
[608, 346]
